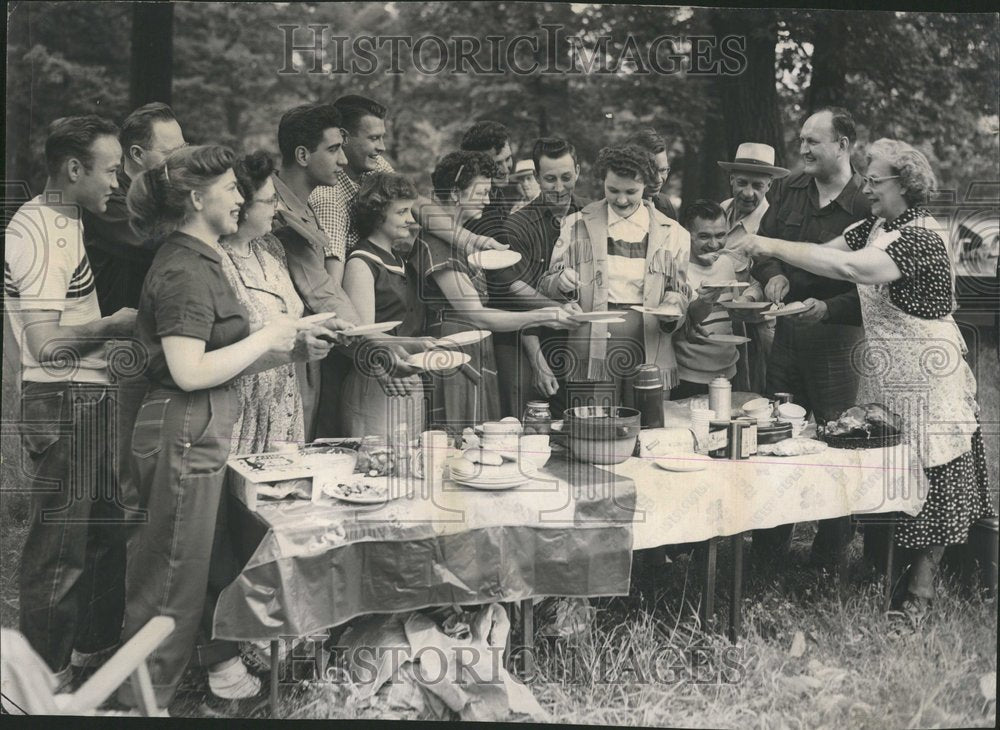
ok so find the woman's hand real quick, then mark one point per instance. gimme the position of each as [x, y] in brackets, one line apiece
[313, 344]
[542, 377]
[279, 334]
[558, 318]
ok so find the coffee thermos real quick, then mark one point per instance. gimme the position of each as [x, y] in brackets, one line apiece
[647, 389]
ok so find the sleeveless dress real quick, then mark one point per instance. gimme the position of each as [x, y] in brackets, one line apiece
[913, 362]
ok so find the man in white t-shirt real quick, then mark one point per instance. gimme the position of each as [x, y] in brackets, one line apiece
[72, 578]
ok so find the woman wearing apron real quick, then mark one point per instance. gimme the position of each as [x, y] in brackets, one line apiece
[455, 295]
[196, 338]
[914, 356]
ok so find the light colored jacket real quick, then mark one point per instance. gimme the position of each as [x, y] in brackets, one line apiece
[583, 247]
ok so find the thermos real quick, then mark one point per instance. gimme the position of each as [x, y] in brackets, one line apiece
[720, 398]
[647, 389]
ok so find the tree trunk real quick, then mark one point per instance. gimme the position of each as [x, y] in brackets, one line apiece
[828, 82]
[152, 61]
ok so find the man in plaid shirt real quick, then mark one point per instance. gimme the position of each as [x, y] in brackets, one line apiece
[364, 122]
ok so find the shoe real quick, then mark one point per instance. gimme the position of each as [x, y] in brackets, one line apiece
[234, 682]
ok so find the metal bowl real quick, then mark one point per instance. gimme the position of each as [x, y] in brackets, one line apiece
[602, 434]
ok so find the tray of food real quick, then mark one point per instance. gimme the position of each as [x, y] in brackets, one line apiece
[868, 426]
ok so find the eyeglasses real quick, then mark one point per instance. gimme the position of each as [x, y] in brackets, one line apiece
[873, 181]
[272, 201]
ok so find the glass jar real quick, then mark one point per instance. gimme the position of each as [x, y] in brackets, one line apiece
[537, 417]
[376, 457]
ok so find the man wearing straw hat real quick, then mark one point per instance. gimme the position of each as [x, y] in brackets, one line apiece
[750, 176]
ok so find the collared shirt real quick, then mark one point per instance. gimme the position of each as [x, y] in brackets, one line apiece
[661, 201]
[795, 215]
[187, 295]
[118, 258]
[295, 225]
[751, 222]
[46, 269]
[334, 206]
[628, 240]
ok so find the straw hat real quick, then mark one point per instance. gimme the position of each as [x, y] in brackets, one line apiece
[755, 157]
[523, 168]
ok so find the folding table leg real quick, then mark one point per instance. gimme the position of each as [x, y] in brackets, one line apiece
[509, 609]
[709, 553]
[890, 558]
[274, 678]
[528, 631]
[843, 539]
[736, 590]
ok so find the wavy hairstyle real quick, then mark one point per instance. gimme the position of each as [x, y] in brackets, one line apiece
[456, 171]
[628, 161]
[159, 200]
[914, 170]
[378, 191]
[252, 171]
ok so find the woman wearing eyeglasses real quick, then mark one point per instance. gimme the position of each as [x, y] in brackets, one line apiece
[914, 360]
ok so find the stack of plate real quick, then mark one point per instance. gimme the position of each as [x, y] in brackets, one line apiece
[482, 476]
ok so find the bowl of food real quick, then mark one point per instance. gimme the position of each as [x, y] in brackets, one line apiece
[867, 426]
[602, 434]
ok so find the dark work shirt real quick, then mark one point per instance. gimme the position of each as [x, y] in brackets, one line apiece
[395, 292]
[118, 258]
[795, 215]
[187, 294]
[661, 201]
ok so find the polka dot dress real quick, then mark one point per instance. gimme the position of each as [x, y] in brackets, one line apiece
[959, 489]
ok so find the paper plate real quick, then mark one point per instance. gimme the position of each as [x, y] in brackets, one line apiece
[432, 360]
[373, 490]
[671, 312]
[745, 305]
[490, 260]
[372, 329]
[317, 318]
[728, 339]
[461, 339]
[597, 317]
[681, 462]
[727, 285]
[793, 308]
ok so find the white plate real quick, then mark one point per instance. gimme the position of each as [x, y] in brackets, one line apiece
[461, 339]
[491, 260]
[728, 285]
[793, 308]
[672, 312]
[597, 317]
[680, 462]
[378, 492]
[433, 360]
[317, 318]
[728, 339]
[371, 329]
[745, 305]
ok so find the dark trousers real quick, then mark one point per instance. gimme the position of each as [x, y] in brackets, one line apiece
[515, 375]
[813, 362]
[687, 389]
[333, 372]
[180, 445]
[72, 583]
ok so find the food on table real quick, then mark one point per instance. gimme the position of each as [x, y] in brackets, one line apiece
[865, 421]
[792, 447]
[360, 489]
[482, 456]
[376, 459]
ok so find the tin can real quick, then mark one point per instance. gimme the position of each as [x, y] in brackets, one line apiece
[749, 443]
[736, 449]
[718, 439]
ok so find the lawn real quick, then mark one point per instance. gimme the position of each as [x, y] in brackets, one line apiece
[806, 659]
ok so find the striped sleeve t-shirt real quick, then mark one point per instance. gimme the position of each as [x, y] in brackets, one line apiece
[628, 241]
[46, 269]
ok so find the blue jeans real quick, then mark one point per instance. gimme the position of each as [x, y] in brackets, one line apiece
[72, 583]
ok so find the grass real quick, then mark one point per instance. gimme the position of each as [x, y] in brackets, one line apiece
[853, 669]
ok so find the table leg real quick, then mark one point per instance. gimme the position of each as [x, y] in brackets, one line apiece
[528, 631]
[843, 539]
[890, 567]
[709, 553]
[509, 608]
[274, 678]
[736, 590]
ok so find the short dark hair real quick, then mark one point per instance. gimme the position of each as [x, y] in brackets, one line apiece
[551, 147]
[627, 161]
[354, 107]
[74, 137]
[304, 126]
[707, 210]
[377, 192]
[457, 170]
[252, 171]
[138, 126]
[485, 137]
[649, 139]
[842, 121]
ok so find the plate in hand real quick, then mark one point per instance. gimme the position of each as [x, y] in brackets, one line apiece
[317, 318]
[665, 312]
[790, 308]
[432, 360]
[461, 339]
[744, 305]
[376, 328]
[491, 260]
[727, 285]
[605, 317]
[728, 339]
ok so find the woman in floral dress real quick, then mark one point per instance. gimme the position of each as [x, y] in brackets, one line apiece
[914, 356]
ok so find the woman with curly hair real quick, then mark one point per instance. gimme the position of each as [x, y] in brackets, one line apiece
[455, 295]
[618, 253]
[914, 360]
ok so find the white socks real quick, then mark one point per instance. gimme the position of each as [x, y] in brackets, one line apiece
[234, 682]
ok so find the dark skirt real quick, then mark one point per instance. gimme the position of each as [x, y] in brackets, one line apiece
[959, 495]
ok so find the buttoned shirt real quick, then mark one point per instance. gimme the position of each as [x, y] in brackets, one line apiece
[750, 222]
[295, 225]
[796, 215]
[335, 206]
